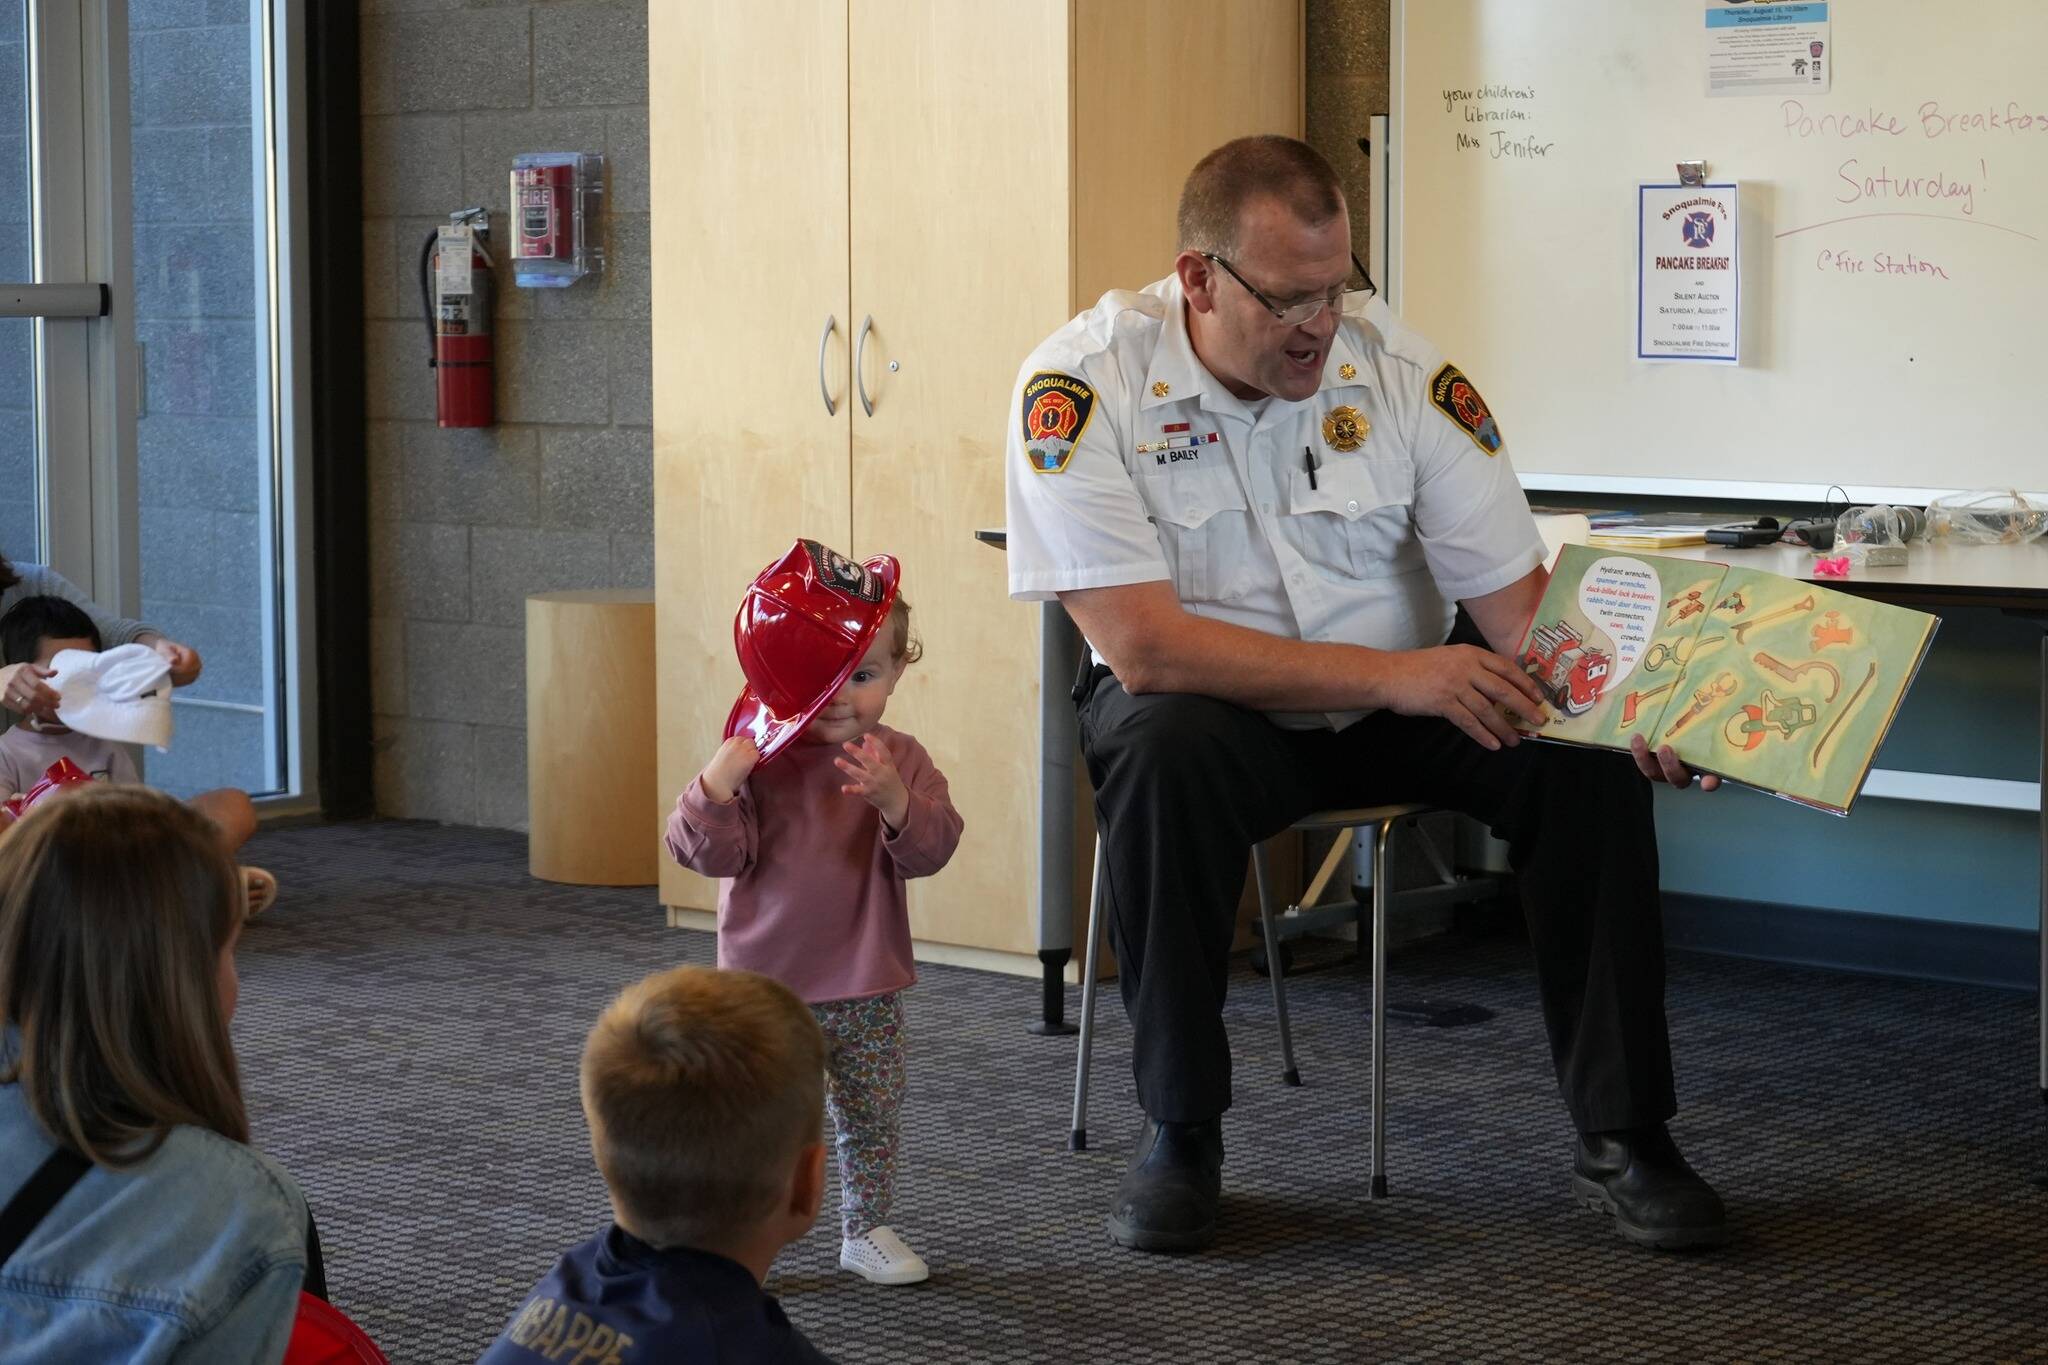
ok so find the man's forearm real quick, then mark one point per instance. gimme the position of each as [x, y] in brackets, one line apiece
[1503, 616]
[1251, 668]
[1153, 643]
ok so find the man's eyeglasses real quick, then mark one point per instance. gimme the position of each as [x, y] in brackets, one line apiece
[1297, 314]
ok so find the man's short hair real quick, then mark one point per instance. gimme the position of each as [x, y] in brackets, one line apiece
[700, 1087]
[1268, 166]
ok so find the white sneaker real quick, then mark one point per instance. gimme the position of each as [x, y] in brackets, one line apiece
[881, 1256]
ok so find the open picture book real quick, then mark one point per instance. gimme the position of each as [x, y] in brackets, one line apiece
[1773, 682]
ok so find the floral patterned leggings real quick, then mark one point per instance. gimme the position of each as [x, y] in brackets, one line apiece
[864, 1092]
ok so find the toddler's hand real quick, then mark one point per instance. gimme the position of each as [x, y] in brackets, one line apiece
[875, 779]
[728, 768]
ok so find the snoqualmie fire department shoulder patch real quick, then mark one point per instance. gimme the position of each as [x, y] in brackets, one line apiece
[1056, 411]
[1452, 394]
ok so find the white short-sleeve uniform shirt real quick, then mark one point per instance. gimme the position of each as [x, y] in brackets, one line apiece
[1357, 516]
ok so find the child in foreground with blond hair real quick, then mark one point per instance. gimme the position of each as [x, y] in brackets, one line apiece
[704, 1092]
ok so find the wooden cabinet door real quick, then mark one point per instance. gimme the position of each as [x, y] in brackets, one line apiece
[960, 210]
[747, 151]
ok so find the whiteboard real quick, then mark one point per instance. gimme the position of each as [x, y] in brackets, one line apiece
[1521, 130]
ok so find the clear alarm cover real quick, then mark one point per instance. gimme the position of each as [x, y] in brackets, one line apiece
[555, 234]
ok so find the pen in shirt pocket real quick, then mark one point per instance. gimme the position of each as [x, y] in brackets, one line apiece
[1308, 458]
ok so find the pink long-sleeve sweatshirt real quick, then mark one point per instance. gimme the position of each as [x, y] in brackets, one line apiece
[810, 885]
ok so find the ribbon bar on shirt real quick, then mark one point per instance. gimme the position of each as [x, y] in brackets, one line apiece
[1207, 438]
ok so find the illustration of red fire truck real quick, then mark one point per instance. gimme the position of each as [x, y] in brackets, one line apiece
[1570, 673]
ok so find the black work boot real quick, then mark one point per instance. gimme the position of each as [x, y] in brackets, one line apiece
[1640, 1178]
[1167, 1201]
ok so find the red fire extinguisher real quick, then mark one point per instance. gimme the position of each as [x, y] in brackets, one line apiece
[455, 289]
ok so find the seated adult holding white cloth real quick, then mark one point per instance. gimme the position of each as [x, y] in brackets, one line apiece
[106, 701]
[24, 690]
[1259, 496]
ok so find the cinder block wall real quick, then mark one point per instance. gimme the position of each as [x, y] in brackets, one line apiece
[465, 524]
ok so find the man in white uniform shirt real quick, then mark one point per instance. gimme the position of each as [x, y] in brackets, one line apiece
[1259, 499]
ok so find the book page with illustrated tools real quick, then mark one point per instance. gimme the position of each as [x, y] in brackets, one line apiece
[1776, 683]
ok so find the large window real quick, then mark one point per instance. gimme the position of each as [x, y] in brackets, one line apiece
[178, 118]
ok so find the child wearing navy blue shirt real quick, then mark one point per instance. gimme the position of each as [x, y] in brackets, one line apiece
[705, 1095]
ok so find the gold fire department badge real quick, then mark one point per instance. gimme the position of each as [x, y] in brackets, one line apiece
[1347, 371]
[1160, 389]
[1345, 429]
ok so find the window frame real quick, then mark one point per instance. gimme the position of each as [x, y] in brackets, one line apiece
[88, 372]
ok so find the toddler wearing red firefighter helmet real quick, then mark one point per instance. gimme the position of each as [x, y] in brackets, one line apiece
[812, 815]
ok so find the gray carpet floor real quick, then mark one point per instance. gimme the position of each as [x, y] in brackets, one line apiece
[413, 1008]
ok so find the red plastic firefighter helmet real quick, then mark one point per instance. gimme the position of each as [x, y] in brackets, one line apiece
[807, 621]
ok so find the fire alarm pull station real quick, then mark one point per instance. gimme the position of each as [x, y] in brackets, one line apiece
[555, 202]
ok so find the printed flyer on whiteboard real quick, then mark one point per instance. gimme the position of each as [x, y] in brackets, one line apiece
[1768, 47]
[1688, 274]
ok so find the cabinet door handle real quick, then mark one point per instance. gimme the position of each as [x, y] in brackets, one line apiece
[860, 349]
[831, 326]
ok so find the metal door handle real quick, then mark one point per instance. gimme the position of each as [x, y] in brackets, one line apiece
[55, 300]
[860, 382]
[831, 326]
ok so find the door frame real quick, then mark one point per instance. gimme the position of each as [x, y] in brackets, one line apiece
[87, 372]
[83, 367]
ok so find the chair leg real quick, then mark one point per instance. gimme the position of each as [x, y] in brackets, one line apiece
[1275, 977]
[1380, 839]
[1077, 1135]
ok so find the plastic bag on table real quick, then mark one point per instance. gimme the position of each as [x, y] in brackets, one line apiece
[1994, 516]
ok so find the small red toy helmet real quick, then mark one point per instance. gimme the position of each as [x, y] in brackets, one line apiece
[63, 773]
[807, 621]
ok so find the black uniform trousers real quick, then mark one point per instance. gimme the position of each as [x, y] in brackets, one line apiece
[1185, 785]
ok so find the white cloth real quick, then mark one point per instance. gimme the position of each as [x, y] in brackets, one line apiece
[39, 580]
[1372, 552]
[122, 694]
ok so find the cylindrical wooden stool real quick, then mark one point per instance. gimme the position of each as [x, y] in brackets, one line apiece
[590, 775]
